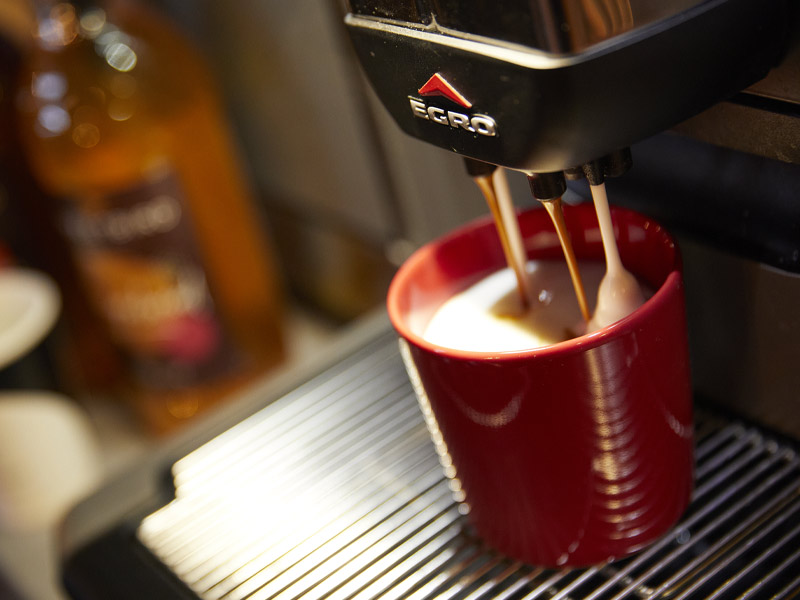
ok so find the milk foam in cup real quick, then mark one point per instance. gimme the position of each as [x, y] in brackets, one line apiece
[487, 316]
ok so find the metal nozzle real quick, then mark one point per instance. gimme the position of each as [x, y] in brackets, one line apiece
[547, 186]
[478, 168]
[611, 165]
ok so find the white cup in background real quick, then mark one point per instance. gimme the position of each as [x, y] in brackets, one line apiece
[49, 456]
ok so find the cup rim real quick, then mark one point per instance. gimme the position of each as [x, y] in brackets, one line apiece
[577, 344]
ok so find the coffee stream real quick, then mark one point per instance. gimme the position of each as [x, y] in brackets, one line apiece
[509, 217]
[556, 213]
[507, 228]
[619, 293]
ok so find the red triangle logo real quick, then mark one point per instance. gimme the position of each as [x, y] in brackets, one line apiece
[438, 86]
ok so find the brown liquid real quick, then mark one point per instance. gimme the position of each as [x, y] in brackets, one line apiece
[487, 187]
[553, 207]
[557, 216]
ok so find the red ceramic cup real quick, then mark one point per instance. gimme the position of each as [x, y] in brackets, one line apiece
[573, 453]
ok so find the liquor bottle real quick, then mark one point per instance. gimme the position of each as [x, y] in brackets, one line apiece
[121, 121]
[83, 359]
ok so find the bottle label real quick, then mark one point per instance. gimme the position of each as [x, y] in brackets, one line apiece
[143, 268]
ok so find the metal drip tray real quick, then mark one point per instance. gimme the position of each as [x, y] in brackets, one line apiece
[335, 491]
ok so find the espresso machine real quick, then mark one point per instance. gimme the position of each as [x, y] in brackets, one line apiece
[551, 86]
[325, 484]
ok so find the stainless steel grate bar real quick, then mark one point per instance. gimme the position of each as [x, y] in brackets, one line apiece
[761, 560]
[703, 508]
[450, 573]
[721, 565]
[216, 529]
[545, 586]
[413, 550]
[565, 592]
[216, 526]
[790, 590]
[205, 463]
[733, 445]
[277, 448]
[335, 492]
[705, 533]
[334, 564]
[313, 431]
[284, 555]
[413, 574]
[711, 436]
[496, 583]
[352, 509]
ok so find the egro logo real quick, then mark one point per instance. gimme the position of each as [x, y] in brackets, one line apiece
[438, 86]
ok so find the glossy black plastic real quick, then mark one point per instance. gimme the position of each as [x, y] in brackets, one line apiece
[554, 112]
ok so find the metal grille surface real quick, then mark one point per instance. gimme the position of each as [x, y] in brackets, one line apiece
[335, 491]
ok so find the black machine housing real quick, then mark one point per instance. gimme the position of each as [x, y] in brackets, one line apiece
[556, 104]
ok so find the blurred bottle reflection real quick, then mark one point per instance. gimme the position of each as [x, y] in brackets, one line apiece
[121, 122]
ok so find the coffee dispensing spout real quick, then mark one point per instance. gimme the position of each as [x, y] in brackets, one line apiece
[613, 164]
[547, 187]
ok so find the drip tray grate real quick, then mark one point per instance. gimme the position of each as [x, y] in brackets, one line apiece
[335, 491]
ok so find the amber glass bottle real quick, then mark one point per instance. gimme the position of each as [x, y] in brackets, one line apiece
[85, 360]
[121, 122]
